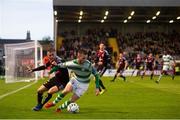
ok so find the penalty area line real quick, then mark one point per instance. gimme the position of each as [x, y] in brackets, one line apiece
[15, 91]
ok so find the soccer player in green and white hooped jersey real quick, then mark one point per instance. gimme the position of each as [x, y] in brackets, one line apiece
[78, 84]
[167, 65]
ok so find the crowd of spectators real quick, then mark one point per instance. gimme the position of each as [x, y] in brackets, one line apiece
[131, 43]
[153, 42]
[90, 41]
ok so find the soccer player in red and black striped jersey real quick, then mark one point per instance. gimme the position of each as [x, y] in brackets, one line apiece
[54, 84]
[101, 63]
[137, 64]
[150, 64]
[121, 66]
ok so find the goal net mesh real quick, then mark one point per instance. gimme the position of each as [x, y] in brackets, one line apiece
[19, 58]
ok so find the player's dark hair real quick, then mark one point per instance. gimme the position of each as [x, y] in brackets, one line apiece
[51, 50]
[82, 51]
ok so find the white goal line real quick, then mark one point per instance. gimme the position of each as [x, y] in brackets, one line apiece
[15, 91]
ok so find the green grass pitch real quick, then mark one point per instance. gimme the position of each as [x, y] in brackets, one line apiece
[136, 98]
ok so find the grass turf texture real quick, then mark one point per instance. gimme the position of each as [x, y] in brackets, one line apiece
[135, 98]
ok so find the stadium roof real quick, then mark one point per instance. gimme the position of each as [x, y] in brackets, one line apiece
[117, 14]
[135, 3]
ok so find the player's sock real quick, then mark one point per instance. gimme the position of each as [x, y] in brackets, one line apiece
[100, 89]
[64, 105]
[114, 78]
[138, 72]
[157, 81]
[49, 96]
[173, 75]
[142, 75]
[101, 84]
[39, 98]
[151, 76]
[58, 98]
[132, 72]
[124, 78]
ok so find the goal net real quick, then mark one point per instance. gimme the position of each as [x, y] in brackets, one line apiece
[19, 58]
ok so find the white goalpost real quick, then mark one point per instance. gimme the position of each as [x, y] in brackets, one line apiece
[19, 58]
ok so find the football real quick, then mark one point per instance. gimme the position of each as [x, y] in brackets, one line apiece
[73, 108]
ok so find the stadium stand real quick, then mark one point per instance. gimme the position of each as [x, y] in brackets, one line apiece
[132, 43]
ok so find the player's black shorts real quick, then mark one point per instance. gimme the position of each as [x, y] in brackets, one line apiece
[149, 67]
[120, 70]
[101, 69]
[60, 80]
[138, 67]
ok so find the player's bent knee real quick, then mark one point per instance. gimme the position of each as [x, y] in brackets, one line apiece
[66, 91]
[74, 98]
[53, 90]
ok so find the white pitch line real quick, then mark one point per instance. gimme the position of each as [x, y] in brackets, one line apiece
[12, 92]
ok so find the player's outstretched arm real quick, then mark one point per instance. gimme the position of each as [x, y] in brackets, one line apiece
[43, 67]
[61, 65]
